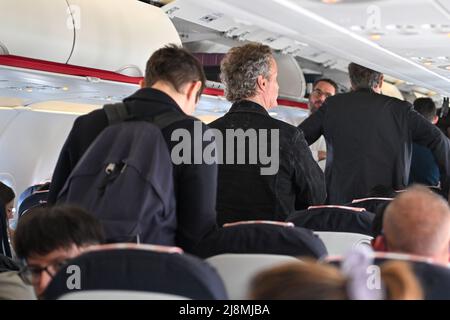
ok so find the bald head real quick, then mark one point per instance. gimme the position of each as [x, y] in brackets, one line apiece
[418, 222]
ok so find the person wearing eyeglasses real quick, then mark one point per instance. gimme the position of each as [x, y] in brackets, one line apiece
[46, 238]
[322, 89]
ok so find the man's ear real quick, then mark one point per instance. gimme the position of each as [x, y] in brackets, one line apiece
[379, 244]
[261, 82]
[192, 89]
[380, 84]
[142, 83]
[435, 120]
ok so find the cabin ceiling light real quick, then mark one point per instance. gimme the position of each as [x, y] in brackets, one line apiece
[301, 43]
[445, 67]
[375, 36]
[331, 1]
[356, 28]
[427, 26]
[408, 30]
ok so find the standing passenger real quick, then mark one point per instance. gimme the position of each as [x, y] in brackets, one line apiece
[424, 169]
[174, 81]
[322, 89]
[245, 192]
[369, 138]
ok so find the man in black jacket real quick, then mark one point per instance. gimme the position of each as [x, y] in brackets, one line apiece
[245, 190]
[369, 138]
[173, 81]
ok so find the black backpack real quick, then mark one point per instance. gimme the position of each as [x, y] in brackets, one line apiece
[125, 179]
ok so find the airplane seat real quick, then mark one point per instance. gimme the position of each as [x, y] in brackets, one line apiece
[434, 279]
[372, 204]
[339, 243]
[37, 199]
[334, 218]
[119, 295]
[135, 267]
[34, 196]
[262, 237]
[237, 270]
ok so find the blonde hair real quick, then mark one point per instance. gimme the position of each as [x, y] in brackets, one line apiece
[309, 280]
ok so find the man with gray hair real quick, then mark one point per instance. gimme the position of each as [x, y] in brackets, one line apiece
[417, 222]
[369, 139]
[246, 191]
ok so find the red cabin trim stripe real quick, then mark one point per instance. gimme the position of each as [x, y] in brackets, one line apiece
[62, 68]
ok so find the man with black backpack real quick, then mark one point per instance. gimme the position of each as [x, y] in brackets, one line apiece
[172, 86]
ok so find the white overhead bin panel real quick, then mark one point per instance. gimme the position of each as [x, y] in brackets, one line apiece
[39, 29]
[290, 77]
[119, 35]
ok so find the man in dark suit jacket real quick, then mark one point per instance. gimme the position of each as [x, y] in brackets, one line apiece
[244, 191]
[369, 138]
[174, 80]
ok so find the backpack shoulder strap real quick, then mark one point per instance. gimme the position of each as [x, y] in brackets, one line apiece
[116, 112]
[167, 118]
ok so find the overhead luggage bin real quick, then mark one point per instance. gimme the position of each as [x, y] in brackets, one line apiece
[111, 35]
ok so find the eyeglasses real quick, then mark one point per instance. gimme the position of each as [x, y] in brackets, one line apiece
[32, 274]
[318, 93]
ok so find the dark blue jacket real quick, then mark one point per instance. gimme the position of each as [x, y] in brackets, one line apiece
[424, 169]
[195, 184]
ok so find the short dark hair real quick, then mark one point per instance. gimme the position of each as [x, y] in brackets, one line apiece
[329, 81]
[426, 107]
[362, 77]
[176, 66]
[6, 193]
[43, 230]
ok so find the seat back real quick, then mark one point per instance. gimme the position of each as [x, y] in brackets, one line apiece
[138, 268]
[372, 204]
[334, 219]
[237, 270]
[339, 243]
[261, 237]
[119, 295]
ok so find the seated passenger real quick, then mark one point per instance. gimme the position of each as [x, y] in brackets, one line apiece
[424, 169]
[308, 280]
[270, 169]
[7, 196]
[417, 222]
[47, 237]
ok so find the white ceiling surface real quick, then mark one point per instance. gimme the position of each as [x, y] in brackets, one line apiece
[322, 32]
